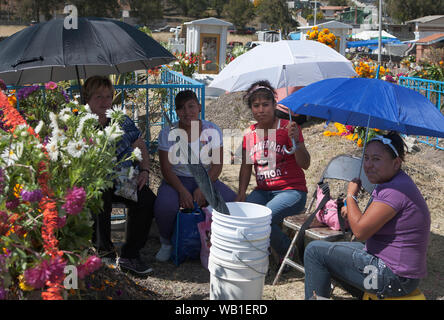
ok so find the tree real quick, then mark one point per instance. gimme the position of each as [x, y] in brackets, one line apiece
[97, 8]
[197, 8]
[276, 14]
[194, 8]
[32, 9]
[218, 6]
[239, 12]
[404, 10]
[338, 2]
[146, 10]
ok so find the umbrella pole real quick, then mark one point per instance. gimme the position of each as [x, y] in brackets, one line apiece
[365, 144]
[293, 149]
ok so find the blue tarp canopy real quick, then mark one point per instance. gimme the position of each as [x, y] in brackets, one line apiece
[370, 43]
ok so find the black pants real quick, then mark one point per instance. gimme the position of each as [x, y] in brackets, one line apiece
[138, 223]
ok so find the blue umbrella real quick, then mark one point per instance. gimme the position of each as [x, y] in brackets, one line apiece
[370, 103]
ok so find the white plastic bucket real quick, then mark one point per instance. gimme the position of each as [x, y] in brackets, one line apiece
[244, 214]
[235, 254]
[238, 260]
[241, 233]
[231, 281]
[240, 245]
[253, 228]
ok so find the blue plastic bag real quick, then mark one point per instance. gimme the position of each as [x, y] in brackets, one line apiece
[186, 236]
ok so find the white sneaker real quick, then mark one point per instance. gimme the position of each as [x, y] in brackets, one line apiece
[164, 253]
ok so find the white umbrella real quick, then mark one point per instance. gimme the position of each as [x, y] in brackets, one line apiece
[305, 61]
[372, 34]
[286, 63]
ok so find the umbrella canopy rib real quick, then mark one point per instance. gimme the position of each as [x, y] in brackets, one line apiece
[99, 46]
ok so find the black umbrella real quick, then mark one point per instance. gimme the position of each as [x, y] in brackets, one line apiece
[49, 52]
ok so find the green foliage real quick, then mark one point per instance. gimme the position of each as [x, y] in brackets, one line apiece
[276, 14]
[97, 8]
[32, 9]
[218, 6]
[239, 12]
[193, 8]
[319, 16]
[198, 8]
[146, 11]
[146, 30]
[404, 10]
[338, 2]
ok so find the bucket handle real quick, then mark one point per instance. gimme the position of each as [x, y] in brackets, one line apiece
[246, 264]
[267, 252]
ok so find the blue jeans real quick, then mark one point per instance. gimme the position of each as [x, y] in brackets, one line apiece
[283, 203]
[349, 263]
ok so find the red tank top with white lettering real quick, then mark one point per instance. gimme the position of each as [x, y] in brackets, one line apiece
[274, 169]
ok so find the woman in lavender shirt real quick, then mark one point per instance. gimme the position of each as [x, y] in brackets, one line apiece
[395, 229]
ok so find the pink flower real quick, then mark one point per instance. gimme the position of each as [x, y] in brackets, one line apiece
[11, 205]
[92, 264]
[50, 85]
[61, 221]
[31, 196]
[47, 270]
[74, 201]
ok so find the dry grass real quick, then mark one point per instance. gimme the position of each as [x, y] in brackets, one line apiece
[191, 281]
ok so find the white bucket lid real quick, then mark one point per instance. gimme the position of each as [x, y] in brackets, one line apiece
[240, 233]
[244, 212]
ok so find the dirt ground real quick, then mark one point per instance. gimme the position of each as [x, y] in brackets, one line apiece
[190, 281]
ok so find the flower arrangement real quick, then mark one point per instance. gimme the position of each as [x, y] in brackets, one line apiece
[367, 68]
[235, 52]
[50, 186]
[187, 63]
[324, 36]
[429, 70]
[352, 133]
[36, 103]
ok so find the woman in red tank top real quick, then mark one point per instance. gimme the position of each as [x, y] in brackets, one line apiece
[280, 178]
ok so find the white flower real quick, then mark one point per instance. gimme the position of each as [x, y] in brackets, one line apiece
[65, 114]
[9, 157]
[39, 127]
[76, 148]
[115, 113]
[88, 108]
[85, 118]
[59, 135]
[113, 132]
[137, 154]
[65, 111]
[53, 119]
[53, 149]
